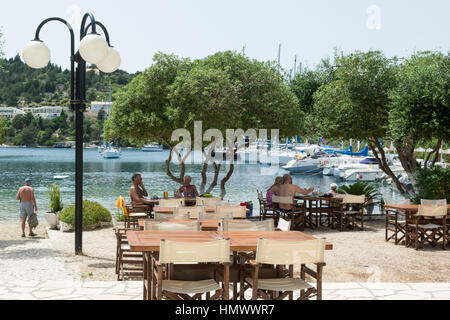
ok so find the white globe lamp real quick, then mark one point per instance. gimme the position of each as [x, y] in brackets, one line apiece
[111, 63]
[36, 54]
[93, 48]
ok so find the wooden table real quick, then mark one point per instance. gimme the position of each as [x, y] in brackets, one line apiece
[409, 210]
[316, 205]
[240, 241]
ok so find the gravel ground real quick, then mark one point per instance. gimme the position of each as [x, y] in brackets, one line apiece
[357, 256]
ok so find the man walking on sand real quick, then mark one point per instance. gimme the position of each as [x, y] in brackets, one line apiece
[27, 205]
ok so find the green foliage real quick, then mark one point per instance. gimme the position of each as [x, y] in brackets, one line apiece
[359, 189]
[225, 90]
[420, 103]
[3, 129]
[22, 85]
[433, 184]
[54, 195]
[354, 105]
[93, 215]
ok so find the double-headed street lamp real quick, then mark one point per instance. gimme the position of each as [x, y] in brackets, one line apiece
[95, 50]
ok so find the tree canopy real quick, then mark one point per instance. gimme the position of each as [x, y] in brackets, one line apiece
[225, 91]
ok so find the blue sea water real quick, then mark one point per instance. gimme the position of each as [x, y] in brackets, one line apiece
[107, 179]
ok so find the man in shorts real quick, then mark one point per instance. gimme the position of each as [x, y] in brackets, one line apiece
[27, 205]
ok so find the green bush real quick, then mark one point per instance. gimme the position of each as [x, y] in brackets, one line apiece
[54, 195]
[93, 214]
[359, 189]
[433, 184]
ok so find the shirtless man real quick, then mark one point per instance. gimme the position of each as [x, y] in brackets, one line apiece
[187, 189]
[289, 190]
[27, 205]
[138, 191]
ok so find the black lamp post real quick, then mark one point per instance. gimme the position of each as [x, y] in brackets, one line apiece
[95, 50]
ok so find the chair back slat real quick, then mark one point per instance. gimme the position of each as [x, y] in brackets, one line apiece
[247, 225]
[433, 208]
[171, 203]
[201, 252]
[175, 226]
[215, 215]
[189, 212]
[284, 225]
[352, 199]
[283, 200]
[236, 211]
[217, 201]
[163, 216]
[290, 253]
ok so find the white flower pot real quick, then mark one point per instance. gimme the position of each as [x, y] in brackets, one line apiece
[52, 219]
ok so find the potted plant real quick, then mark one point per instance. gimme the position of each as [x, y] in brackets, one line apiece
[56, 206]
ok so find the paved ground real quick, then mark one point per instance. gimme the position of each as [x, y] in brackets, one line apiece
[33, 269]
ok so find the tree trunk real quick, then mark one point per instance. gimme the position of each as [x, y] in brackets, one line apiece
[216, 177]
[223, 192]
[376, 148]
[169, 173]
[409, 163]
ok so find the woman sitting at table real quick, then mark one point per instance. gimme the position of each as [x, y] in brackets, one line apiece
[188, 190]
[274, 190]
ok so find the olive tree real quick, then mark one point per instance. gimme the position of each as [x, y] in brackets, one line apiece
[223, 91]
[420, 107]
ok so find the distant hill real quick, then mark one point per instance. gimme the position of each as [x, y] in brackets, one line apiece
[21, 85]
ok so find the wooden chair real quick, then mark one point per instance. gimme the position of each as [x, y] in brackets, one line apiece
[192, 225]
[128, 263]
[190, 212]
[285, 254]
[238, 212]
[296, 214]
[239, 260]
[247, 225]
[217, 201]
[395, 221]
[350, 210]
[217, 252]
[133, 212]
[171, 202]
[429, 225]
[265, 211]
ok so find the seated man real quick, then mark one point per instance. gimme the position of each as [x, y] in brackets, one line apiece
[333, 192]
[188, 190]
[289, 190]
[138, 191]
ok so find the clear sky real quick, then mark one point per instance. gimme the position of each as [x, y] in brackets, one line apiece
[197, 28]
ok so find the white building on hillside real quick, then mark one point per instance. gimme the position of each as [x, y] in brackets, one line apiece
[10, 112]
[96, 106]
[46, 112]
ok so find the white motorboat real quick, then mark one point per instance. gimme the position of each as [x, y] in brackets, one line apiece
[310, 165]
[111, 153]
[153, 147]
[60, 177]
[277, 156]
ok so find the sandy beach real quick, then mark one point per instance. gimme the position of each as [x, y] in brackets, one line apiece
[357, 256]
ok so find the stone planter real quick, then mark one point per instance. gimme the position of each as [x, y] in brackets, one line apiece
[52, 220]
[65, 227]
